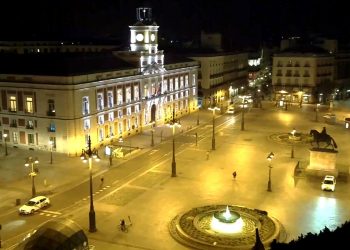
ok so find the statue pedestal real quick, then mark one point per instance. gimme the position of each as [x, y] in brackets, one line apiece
[322, 162]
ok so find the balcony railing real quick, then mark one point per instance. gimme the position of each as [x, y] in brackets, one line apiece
[29, 127]
[51, 113]
[51, 129]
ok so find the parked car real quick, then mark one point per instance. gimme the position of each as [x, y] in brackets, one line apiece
[34, 204]
[328, 183]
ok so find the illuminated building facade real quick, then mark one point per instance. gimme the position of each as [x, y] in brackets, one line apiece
[296, 76]
[63, 98]
[221, 76]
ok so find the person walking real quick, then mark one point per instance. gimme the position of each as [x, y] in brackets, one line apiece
[234, 174]
[102, 180]
[122, 225]
[207, 155]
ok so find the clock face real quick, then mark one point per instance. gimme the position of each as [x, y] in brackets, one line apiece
[153, 37]
[139, 37]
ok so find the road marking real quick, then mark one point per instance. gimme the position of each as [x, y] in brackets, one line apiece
[49, 213]
[153, 151]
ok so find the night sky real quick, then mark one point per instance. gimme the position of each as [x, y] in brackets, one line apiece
[248, 22]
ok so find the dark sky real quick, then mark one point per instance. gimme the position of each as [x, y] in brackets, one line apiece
[243, 22]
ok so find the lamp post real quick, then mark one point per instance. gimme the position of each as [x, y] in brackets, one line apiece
[222, 98]
[173, 124]
[51, 148]
[88, 155]
[316, 110]
[196, 134]
[198, 116]
[152, 132]
[213, 137]
[5, 136]
[243, 106]
[269, 158]
[30, 161]
[109, 152]
[293, 138]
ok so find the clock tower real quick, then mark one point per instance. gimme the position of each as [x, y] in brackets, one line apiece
[144, 39]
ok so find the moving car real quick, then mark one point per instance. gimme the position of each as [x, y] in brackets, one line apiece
[230, 110]
[328, 183]
[34, 204]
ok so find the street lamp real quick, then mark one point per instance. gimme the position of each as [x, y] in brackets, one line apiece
[51, 148]
[5, 136]
[173, 124]
[269, 158]
[30, 161]
[88, 155]
[293, 138]
[213, 137]
[198, 116]
[152, 132]
[109, 152]
[243, 106]
[316, 110]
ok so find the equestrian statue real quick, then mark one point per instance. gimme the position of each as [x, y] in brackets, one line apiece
[323, 137]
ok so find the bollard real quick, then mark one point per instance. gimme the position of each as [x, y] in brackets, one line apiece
[18, 202]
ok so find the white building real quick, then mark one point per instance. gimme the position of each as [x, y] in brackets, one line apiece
[63, 98]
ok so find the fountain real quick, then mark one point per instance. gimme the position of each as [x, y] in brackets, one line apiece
[226, 222]
[224, 227]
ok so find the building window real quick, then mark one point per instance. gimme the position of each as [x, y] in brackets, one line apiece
[193, 79]
[176, 83]
[120, 113]
[30, 124]
[176, 96]
[100, 105]
[181, 81]
[137, 108]
[186, 80]
[119, 96]
[86, 124]
[13, 123]
[100, 134]
[165, 86]
[145, 91]
[51, 111]
[120, 128]
[29, 104]
[86, 109]
[128, 111]
[136, 122]
[129, 126]
[136, 93]
[15, 137]
[194, 91]
[100, 119]
[111, 116]
[128, 94]
[111, 131]
[110, 99]
[13, 104]
[30, 139]
[52, 127]
[171, 86]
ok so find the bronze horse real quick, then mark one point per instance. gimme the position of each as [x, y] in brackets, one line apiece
[322, 137]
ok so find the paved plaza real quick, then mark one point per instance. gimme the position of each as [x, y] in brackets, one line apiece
[151, 198]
